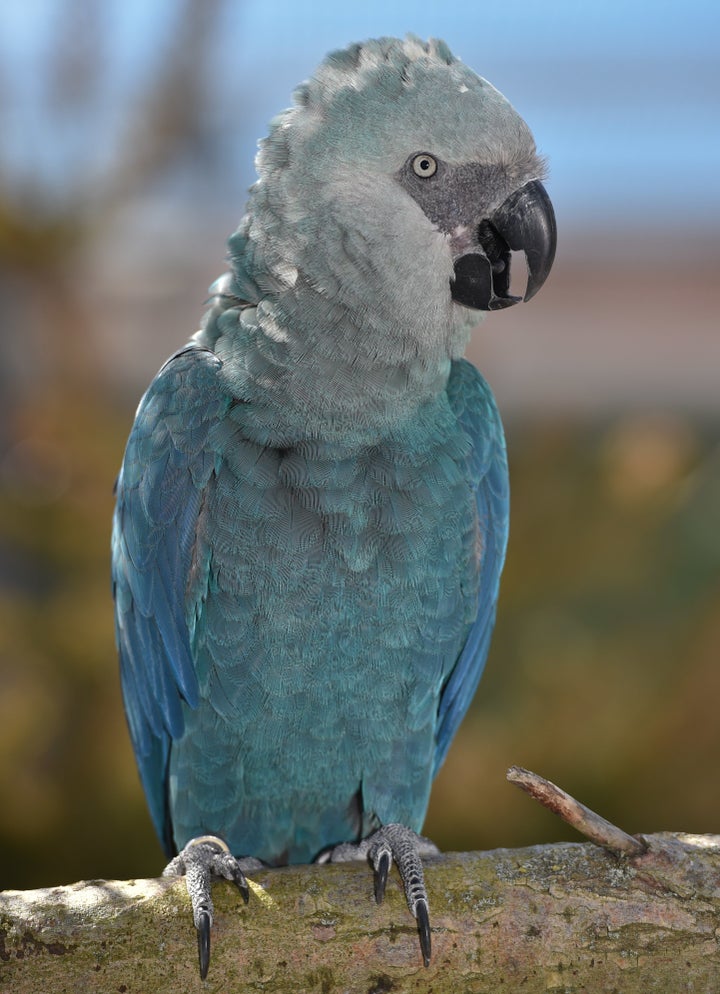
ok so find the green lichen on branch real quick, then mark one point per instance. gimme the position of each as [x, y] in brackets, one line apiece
[568, 917]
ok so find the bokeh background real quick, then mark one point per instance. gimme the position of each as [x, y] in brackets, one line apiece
[127, 134]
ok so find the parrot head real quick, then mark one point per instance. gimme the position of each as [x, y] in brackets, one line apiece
[403, 144]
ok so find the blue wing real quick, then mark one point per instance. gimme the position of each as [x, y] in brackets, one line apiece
[167, 464]
[474, 406]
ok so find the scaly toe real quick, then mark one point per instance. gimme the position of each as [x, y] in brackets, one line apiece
[199, 861]
[395, 842]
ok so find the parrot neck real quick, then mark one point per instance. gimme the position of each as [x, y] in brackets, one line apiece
[305, 370]
[337, 322]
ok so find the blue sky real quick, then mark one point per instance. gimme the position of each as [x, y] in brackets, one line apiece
[623, 97]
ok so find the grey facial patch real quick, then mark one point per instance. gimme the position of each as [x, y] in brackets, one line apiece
[456, 198]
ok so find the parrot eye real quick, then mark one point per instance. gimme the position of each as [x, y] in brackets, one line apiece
[424, 165]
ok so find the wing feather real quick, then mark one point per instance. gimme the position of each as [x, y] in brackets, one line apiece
[474, 406]
[168, 463]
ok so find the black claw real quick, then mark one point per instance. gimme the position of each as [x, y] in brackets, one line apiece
[203, 935]
[381, 875]
[241, 884]
[423, 920]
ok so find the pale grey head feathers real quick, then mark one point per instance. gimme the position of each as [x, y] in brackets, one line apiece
[395, 154]
[376, 102]
[393, 190]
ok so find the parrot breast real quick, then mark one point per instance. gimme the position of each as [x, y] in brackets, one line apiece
[337, 592]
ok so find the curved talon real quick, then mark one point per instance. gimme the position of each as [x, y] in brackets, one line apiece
[381, 874]
[203, 937]
[423, 920]
[241, 883]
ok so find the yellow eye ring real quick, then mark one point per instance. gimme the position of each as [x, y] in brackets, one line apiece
[424, 165]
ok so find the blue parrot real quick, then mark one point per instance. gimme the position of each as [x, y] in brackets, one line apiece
[312, 510]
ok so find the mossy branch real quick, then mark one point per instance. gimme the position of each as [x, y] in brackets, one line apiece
[567, 917]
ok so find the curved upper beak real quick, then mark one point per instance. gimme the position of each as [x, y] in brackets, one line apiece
[525, 222]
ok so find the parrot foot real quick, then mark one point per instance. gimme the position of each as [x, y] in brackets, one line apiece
[203, 858]
[396, 842]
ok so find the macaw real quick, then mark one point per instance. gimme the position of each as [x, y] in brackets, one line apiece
[312, 510]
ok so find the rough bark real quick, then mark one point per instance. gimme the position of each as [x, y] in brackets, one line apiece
[567, 917]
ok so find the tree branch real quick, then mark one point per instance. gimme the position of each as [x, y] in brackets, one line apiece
[590, 824]
[567, 917]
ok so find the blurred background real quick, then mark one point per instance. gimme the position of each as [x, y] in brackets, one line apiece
[127, 136]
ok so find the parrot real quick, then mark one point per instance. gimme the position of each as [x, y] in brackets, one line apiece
[312, 510]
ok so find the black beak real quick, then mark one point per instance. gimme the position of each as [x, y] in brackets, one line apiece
[525, 222]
